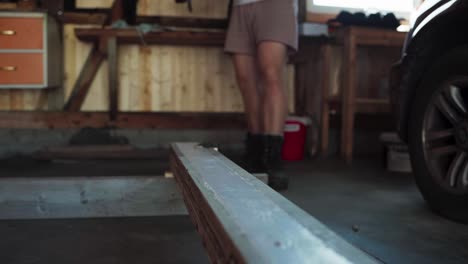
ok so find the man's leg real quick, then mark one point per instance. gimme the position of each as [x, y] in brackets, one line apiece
[271, 62]
[246, 74]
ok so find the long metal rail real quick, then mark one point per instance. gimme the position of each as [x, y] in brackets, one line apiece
[242, 220]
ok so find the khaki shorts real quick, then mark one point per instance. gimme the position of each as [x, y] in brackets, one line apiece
[268, 20]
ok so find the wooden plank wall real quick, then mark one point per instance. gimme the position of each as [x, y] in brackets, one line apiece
[164, 78]
[20, 100]
[153, 78]
[202, 8]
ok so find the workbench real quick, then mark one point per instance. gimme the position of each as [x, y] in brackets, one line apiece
[351, 38]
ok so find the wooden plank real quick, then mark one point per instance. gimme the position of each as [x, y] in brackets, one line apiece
[99, 17]
[17, 100]
[117, 11]
[28, 5]
[6, 6]
[4, 100]
[83, 18]
[349, 95]
[165, 78]
[85, 80]
[98, 152]
[172, 120]
[113, 63]
[181, 120]
[169, 78]
[89, 197]
[184, 22]
[366, 36]
[242, 220]
[53, 7]
[325, 120]
[131, 36]
[167, 72]
[94, 3]
[201, 8]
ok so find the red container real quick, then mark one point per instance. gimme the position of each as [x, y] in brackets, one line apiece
[295, 133]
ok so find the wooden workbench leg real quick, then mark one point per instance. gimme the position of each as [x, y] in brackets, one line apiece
[325, 120]
[349, 94]
[112, 54]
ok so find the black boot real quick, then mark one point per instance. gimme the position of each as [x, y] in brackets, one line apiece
[253, 154]
[277, 178]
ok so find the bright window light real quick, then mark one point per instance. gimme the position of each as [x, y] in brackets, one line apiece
[384, 5]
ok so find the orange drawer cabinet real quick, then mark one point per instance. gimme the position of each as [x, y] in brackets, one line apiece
[30, 51]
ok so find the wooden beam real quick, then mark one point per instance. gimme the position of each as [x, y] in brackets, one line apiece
[348, 95]
[117, 11]
[302, 14]
[85, 80]
[326, 53]
[83, 18]
[99, 152]
[185, 22]
[53, 7]
[113, 62]
[366, 36]
[99, 16]
[27, 4]
[131, 36]
[8, 6]
[242, 220]
[168, 120]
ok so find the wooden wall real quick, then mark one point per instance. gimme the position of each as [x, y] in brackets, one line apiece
[152, 78]
[163, 78]
[201, 8]
[23, 100]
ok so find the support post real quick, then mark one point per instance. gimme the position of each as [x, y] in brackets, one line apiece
[113, 60]
[348, 95]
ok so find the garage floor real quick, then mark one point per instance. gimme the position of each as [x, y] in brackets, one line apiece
[382, 213]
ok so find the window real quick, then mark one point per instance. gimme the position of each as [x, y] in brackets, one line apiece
[402, 8]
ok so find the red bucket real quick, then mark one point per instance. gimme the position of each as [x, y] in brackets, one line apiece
[295, 134]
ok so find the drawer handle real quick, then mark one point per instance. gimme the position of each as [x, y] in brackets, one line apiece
[8, 68]
[7, 32]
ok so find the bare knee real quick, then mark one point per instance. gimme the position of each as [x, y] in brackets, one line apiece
[272, 79]
[244, 79]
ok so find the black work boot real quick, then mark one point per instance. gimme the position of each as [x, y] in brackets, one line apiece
[253, 154]
[277, 178]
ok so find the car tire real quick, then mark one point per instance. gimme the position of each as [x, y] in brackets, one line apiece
[434, 174]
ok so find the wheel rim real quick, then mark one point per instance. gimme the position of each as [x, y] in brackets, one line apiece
[445, 135]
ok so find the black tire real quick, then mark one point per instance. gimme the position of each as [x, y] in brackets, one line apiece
[451, 203]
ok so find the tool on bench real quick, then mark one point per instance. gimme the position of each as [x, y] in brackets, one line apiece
[189, 4]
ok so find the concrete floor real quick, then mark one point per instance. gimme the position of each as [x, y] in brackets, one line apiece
[393, 222]
[101, 241]
[379, 212]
